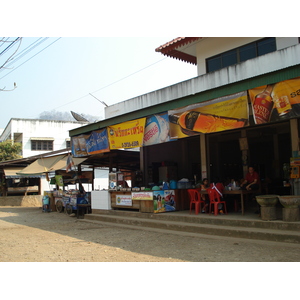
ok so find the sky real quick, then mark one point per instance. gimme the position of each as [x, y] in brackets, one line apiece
[106, 49]
[60, 73]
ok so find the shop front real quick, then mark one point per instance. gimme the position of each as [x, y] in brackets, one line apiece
[220, 137]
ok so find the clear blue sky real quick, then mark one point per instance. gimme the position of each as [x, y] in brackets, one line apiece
[59, 74]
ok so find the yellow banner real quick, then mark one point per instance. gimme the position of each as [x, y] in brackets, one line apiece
[127, 135]
[225, 113]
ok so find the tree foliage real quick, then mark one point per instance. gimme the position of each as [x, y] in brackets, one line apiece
[10, 150]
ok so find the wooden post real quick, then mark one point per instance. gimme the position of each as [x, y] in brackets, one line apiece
[203, 156]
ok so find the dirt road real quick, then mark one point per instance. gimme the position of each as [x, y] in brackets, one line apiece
[29, 235]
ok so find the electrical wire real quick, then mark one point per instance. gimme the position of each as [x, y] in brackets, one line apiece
[10, 45]
[111, 83]
[31, 58]
[8, 59]
[24, 52]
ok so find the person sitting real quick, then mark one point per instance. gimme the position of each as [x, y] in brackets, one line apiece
[252, 180]
[252, 183]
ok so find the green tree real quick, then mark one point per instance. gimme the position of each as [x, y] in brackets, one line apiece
[10, 150]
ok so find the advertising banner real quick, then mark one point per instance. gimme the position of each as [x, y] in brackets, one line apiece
[225, 113]
[275, 102]
[78, 145]
[156, 129]
[96, 142]
[124, 200]
[164, 201]
[127, 135]
[142, 195]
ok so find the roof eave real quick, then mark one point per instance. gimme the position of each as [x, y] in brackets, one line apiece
[170, 49]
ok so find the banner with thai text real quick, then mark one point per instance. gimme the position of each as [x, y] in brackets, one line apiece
[144, 195]
[275, 102]
[94, 143]
[156, 129]
[124, 200]
[97, 142]
[225, 113]
[127, 135]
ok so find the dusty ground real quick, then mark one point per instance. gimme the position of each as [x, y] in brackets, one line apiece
[29, 235]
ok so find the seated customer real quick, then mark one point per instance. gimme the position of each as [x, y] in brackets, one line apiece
[252, 181]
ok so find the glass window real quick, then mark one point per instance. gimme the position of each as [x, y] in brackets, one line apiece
[247, 52]
[240, 54]
[229, 58]
[266, 46]
[214, 63]
[41, 145]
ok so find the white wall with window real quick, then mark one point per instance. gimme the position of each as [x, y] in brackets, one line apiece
[225, 51]
[39, 136]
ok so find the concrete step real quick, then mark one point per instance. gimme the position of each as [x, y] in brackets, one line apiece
[213, 226]
[231, 219]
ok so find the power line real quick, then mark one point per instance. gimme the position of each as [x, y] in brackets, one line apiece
[24, 52]
[9, 46]
[31, 58]
[111, 84]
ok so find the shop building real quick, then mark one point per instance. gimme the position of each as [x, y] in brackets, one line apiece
[242, 128]
[39, 136]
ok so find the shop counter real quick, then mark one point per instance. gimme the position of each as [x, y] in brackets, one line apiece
[123, 199]
[150, 201]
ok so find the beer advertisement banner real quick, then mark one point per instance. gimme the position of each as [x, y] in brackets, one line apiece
[97, 142]
[225, 113]
[276, 102]
[156, 129]
[127, 135]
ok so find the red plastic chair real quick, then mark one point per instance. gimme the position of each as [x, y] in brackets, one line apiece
[215, 200]
[195, 198]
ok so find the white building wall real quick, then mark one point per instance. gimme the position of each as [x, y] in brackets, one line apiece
[23, 130]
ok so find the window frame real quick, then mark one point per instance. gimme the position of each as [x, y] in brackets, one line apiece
[257, 45]
[41, 145]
